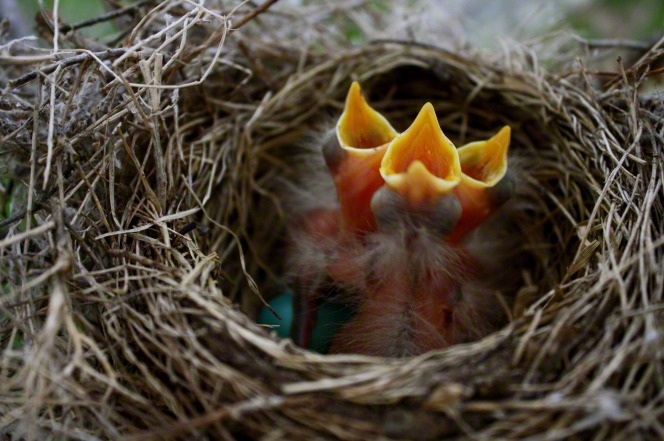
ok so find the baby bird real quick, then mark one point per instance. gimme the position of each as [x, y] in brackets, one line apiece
[418, 288]
[394, 246]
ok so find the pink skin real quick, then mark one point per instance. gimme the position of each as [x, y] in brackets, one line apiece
[390, 321]
[406, 304]
[406, 291]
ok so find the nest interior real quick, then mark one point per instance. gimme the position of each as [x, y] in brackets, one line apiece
[146, 223]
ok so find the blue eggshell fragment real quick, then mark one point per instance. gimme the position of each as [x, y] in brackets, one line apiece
[331, 316]
[283, 305]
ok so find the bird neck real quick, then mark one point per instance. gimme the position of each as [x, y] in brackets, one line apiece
[417, 311]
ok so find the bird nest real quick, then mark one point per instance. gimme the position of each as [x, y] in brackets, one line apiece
[147, 221]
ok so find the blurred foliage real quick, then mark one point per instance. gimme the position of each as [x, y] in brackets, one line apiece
[629, 19]
[633, 19]
[74, 11]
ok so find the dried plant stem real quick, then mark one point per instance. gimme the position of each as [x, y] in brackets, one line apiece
[157, 179]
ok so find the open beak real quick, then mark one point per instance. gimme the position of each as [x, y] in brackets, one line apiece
[360, 128]
[363, 135]
[485, 183]
[421, 164]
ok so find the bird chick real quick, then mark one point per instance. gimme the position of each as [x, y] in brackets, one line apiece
[353, 156]
[417, 290]
[394, 244]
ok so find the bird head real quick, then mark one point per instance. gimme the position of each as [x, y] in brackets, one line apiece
[421, 169]
[457, 188]
[421, 164]
[363, 135]
[486, 184]
[361, 128]
[484, 163]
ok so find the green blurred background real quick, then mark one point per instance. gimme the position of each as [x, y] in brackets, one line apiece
[71, 11]
[22, 13]
[627, 19]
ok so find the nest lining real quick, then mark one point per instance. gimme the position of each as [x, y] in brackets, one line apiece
[120, 317]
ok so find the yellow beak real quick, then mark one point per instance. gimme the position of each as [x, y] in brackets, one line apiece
[421, 164]
[360, 127]
[484, 163]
